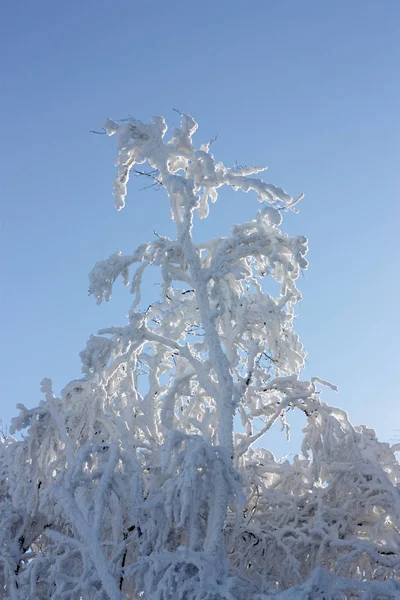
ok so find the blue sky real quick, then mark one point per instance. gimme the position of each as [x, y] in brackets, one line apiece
[310, 88]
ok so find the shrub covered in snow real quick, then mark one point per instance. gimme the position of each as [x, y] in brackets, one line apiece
[120, 490]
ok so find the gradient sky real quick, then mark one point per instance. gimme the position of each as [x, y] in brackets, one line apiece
[310, 88]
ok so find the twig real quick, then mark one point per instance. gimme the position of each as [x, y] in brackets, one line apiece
[152, 174]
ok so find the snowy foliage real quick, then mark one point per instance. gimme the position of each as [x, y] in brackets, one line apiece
[136, 483]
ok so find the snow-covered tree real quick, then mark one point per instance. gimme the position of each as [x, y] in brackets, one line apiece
[142, 480]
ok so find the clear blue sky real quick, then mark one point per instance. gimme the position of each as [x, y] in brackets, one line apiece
[310, 88]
